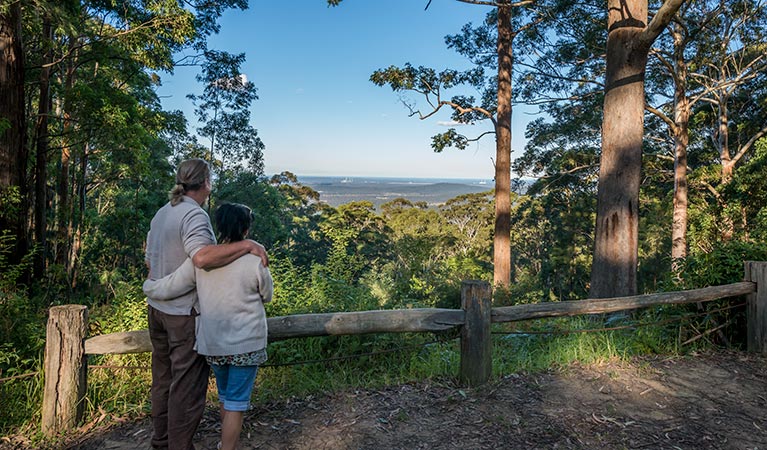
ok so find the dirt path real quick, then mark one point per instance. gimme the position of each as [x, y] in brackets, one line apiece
[710, 401]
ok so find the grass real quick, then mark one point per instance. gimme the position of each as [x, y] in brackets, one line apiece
[22, 400]
[519, 347]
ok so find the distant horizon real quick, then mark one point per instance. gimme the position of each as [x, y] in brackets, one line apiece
[390, 177]
[488, 180]
[339, 189]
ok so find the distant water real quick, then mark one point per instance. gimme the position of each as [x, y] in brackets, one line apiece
[338, 190]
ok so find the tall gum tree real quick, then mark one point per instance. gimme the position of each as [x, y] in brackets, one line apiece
[676, 58]
[13, 136]
[74, 49]
[495, 106]
[707, 39]
[614, 269]
[738, 61]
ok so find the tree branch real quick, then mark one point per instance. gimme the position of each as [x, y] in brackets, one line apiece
[749, 144]
[658, 113]
[499, 4]
[659, 22]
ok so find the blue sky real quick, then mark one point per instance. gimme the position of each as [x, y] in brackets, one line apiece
[318, 113]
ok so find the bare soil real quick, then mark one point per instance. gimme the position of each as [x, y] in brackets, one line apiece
[706, 401]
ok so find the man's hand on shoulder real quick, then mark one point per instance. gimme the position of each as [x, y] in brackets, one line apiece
[212, 256]
[260, 251]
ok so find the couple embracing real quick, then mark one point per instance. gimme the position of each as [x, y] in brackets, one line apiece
[205, 310]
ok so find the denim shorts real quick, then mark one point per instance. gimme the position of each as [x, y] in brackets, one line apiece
[235, 384]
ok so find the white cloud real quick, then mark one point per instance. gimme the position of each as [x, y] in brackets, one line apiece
[451, 123]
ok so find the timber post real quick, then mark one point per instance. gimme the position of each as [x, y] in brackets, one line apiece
[476, 343]
[756, 272]
[65, 368]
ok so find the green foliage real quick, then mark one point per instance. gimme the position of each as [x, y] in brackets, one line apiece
[22, 400]
[21, 337]
[223, 108]
[449, 138]
[10, 202]
[22, 332]
[270, 213]
[5, 124]
[431, 85]
[126, 311]
[723, 264]
[433, 250]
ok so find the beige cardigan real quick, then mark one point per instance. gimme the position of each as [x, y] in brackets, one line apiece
[232, 319]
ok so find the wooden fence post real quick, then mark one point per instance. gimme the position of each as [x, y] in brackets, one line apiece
[65, 368]
[476, 344]
[756, 271]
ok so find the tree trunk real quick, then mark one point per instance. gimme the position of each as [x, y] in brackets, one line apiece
[614, 269]
[13, 148]
[78, 216]
[64, 207]
[502, 236]
[681, 141]
[727, 226]
[41, 149]
[723, 140]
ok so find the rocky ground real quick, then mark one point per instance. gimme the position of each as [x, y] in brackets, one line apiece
[706, 401]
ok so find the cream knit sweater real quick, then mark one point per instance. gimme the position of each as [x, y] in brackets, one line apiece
[232, 319]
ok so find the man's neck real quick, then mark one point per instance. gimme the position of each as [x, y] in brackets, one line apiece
[197, 196]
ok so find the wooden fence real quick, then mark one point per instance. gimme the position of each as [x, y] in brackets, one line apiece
[67, 348]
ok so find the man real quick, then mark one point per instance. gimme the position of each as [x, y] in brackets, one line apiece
[182, 229]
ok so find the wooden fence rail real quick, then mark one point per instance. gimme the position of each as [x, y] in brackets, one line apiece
[65, 364]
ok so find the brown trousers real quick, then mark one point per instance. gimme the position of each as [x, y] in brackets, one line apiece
[179, 381]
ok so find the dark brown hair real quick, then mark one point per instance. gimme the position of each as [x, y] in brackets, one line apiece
[232, 221]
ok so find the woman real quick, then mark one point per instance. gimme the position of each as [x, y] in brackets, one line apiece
[231, 328]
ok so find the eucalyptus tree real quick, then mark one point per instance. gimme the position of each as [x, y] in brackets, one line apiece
[673, 54]
[629, 39]
[223, 109]
[710, 57]
[735, 67]
[733, 79]
[13, 136]
[488, 45]
[63, 51]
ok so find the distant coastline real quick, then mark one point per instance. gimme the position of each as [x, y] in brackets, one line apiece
[339, 190]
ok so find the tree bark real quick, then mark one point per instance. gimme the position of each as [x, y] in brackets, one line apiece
[64, 207]
[723, 139]
[13, 136]
[616, 237]
[681, 141]
[41, 151]
[617, 228]
[727, 225]
[502, 235]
